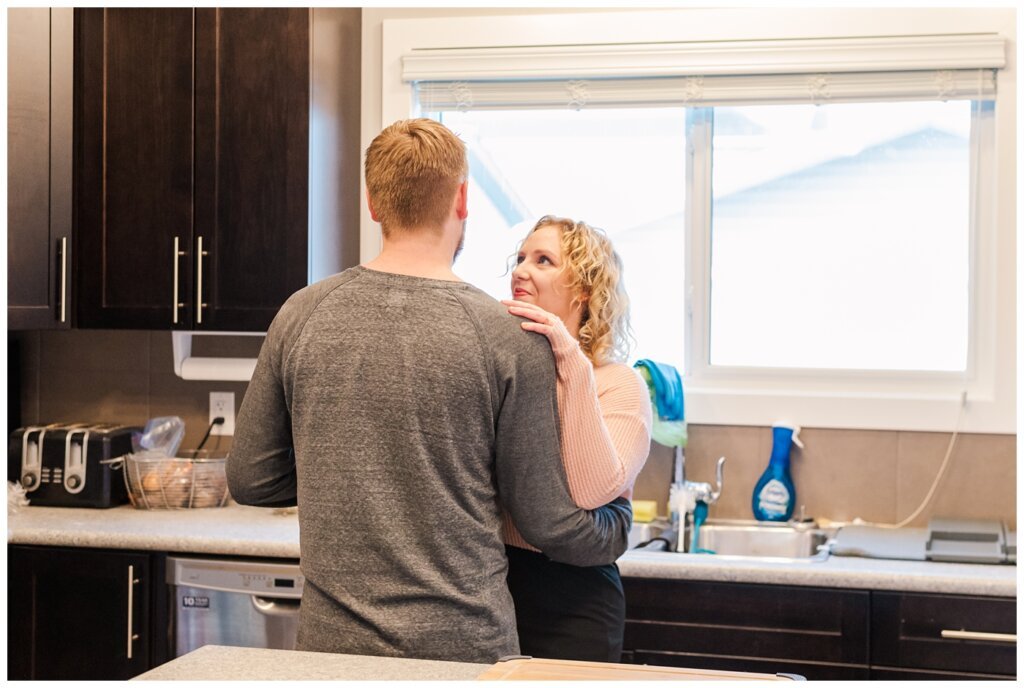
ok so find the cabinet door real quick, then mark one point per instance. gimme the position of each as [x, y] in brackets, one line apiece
[813, 632]
[133, 119]
[77, 614]
[252, 158]
[39, 154]
[943, 633]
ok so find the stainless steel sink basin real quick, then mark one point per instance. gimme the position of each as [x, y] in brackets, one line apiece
[749, 539]
[759, 539]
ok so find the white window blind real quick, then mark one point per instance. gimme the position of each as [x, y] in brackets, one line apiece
[848, 87]
[835, 70]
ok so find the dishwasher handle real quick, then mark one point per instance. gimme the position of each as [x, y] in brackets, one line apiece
[275, 606]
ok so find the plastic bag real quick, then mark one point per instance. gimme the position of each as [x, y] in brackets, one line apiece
[162, 435]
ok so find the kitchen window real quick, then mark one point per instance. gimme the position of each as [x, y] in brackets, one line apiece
[813, 244]
[839, 233]
[622, 170]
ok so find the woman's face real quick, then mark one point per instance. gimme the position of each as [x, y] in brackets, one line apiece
[538, 277]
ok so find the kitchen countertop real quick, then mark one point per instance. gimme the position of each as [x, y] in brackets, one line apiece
[235, 529]
[219, 663]
[258, 532]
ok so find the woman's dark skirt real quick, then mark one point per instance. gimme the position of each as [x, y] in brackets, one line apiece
[564, 611]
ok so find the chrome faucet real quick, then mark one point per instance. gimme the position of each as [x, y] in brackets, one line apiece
[683, 498]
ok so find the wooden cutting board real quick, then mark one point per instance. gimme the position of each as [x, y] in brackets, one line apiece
[532, 669]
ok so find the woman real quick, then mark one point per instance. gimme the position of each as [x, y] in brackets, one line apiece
[567, 283]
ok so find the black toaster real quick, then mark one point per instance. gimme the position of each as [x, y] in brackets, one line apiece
[70, 464]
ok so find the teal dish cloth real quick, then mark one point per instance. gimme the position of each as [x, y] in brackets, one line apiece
[666, 388]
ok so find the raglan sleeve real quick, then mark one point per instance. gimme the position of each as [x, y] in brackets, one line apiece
[261, 463]
[532, 483]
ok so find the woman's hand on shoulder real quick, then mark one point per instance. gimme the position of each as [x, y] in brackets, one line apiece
[540, 320]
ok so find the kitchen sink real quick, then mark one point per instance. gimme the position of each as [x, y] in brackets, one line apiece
[760, 539]
[749, 539]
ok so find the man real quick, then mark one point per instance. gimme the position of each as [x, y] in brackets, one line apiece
[401, 408]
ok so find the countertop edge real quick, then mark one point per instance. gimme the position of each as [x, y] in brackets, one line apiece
[156, 543]
[244, 531]
[837, 572]
[218, 663]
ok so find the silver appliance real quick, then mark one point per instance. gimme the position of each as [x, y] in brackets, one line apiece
[237, 603]
[70, 464]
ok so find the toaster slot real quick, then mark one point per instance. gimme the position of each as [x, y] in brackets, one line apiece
[32, 455]
[75, 454]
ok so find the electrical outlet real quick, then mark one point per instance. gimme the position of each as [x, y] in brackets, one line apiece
[223, 404]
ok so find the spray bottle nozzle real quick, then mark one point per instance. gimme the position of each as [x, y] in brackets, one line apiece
[795, 429]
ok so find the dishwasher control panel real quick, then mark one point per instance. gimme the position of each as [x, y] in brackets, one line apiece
[266, 579]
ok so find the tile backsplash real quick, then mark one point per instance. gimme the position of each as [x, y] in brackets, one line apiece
[880, 476]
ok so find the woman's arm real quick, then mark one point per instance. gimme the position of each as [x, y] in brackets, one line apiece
[606, 428]
[606, 432]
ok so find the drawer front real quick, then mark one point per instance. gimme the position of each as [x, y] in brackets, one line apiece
[886, 674]
[907, 632]
[809, 671]
[746, 621]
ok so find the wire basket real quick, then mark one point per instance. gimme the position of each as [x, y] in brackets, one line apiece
[193, 481]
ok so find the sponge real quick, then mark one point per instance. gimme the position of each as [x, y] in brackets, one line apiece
[644, 510]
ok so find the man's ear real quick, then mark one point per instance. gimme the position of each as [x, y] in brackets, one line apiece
[369, 204]
[461, 207]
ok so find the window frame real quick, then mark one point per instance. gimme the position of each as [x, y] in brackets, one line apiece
[867, 392]
[897, 400]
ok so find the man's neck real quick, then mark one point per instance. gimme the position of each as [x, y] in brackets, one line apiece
[417, 254]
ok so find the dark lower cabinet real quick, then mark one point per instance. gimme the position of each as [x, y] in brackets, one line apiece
[84, 614]
[814, 632]
[819, 633]
[942, 637]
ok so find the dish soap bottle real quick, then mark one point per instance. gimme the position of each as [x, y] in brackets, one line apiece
[774, 494]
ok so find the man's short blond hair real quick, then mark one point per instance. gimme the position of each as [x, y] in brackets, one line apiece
[413, 170]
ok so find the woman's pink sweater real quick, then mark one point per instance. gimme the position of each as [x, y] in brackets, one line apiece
[605, 418]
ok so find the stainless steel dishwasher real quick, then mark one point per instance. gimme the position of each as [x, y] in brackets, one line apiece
[238, 603]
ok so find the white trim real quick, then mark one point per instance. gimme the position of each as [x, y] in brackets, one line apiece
[858, 54]
[908, 402]
[844, 87]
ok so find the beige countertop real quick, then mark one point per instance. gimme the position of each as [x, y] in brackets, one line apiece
[219, 663]
[235, 529]
[257, 532]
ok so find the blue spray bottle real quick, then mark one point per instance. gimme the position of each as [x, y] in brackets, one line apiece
[774, 494]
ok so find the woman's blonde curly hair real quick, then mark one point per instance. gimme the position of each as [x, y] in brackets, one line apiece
[595, 279]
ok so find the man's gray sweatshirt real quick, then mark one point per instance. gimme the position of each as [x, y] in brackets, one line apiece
[401, 413]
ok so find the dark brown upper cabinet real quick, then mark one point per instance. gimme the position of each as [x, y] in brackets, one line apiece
[194, 160]
[39, 181]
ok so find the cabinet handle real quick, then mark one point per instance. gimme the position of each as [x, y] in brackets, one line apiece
[978, 635]
[63, 279]
[132, 637]
[199, 280]
[177, 254]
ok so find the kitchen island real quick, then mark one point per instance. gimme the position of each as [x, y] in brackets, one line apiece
[274, 533]
[219, 663]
